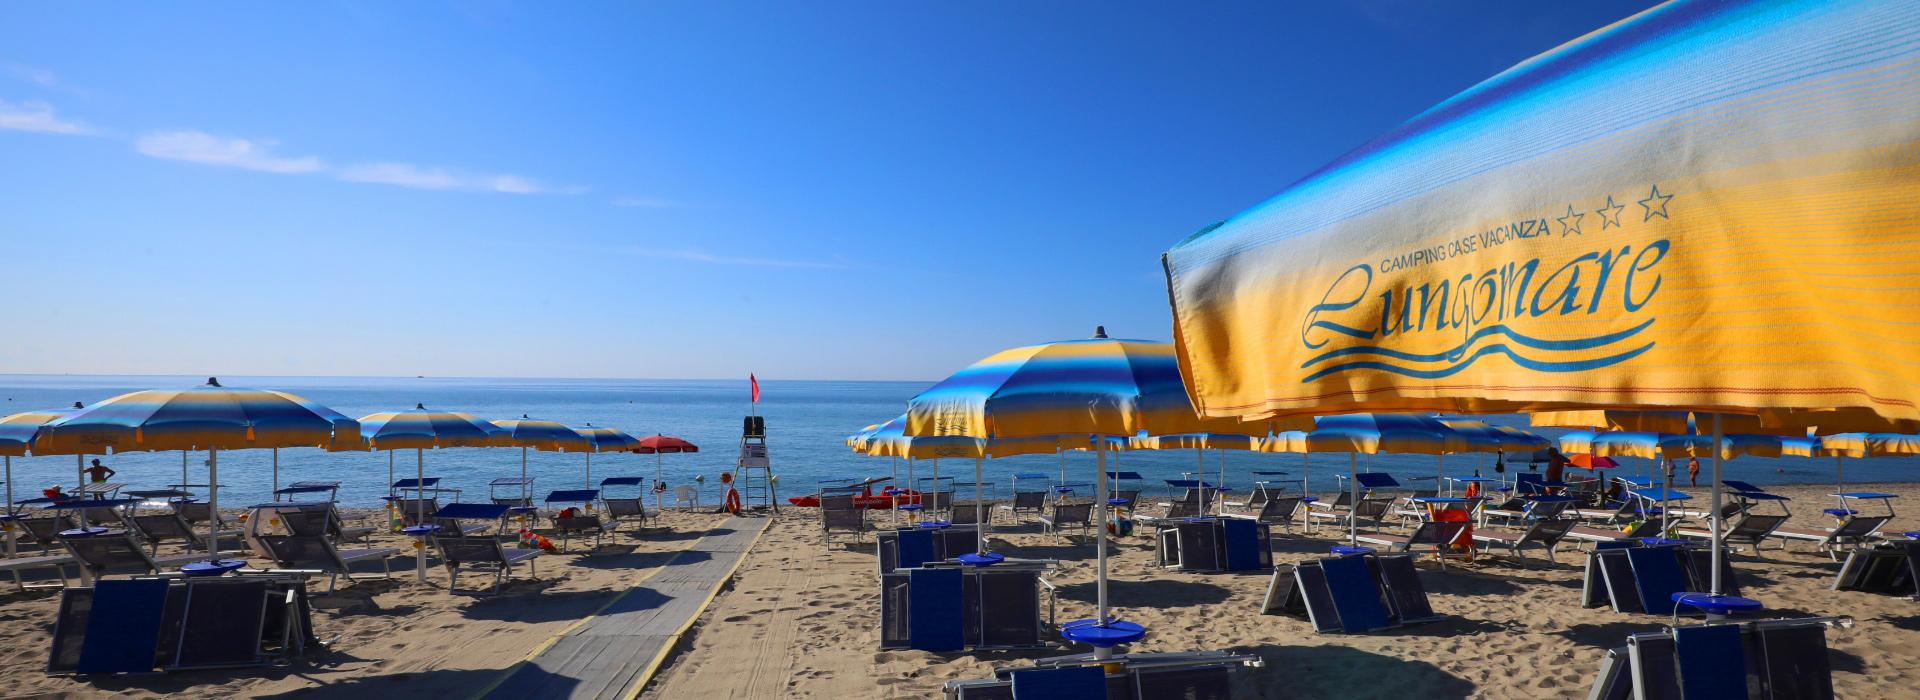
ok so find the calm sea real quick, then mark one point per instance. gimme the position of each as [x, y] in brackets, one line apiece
[807, 422]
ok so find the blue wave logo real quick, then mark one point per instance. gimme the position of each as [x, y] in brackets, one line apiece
[1483, 307]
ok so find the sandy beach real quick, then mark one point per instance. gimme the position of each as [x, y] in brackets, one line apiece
[801, 621]
[386, 636]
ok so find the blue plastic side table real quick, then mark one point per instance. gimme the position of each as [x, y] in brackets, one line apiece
[1912, 534]
[1347, 550]
[1114, 633]
[83, 532]
[419, 530]
[933, 525]
[1716, 607]
[1660, 541]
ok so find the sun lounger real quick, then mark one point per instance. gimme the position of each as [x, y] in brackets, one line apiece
[1887, 569]
[944, 607]
[1585, 533]
[913, 547]
[1546, 533]
[1853, 530]
[309, 488]
[485, 553]
[157, 528]
[1216, 544]
[1027, 502]
[1767, 659]
[1621, 511]
[1528, 508]
[1277, 510]
[311, 553]
[1068, 515]
[57, 562]
[196, 512]
[1641, 579]
[1201, 675]
[1751, 529]
[1352, 594]
[582, 521]
[517, 495]
[1436, 537]
[117, 553]
[633, 507]
[839, 513]
[44, 530]
[167, 624]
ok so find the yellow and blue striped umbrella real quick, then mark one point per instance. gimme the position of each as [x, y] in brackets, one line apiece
[1098, 386]
[1374, 433]
[604, 440]
[1861, 445]
[208, 417]
[16, 434]
[528, 433]
[18, 430]
[1706, 206]
[1642, 444]
[422, 429]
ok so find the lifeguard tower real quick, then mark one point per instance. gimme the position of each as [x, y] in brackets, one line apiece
[753, 473]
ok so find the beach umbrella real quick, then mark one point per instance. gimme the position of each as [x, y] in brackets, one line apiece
[1865, 445]
[1199, 443]
[1372, 433]
[604, 440]
[16, 434]
[1081, 390]
[661, 445]
[1535, 243]
[528, 433]
[209, 417]
[422, 429]
[890, 439]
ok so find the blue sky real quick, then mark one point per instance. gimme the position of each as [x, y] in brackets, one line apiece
[803, 190]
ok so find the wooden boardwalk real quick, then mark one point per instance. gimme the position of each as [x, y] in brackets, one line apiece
[616, 651]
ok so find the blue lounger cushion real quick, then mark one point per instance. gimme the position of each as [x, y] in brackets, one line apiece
[1070, 683]
[1243, 544]
[1356, 594]
[123, 630]
[934, 610]
[1712, 661]
[471, 511]
[915, 548]
[1657, 574]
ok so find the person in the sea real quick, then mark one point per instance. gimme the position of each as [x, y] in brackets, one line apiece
[1693, 471]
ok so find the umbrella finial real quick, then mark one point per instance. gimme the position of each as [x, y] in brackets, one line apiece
[525, 416]
[76, 404]
[420, 407]
[213, 381]
[1099, 331]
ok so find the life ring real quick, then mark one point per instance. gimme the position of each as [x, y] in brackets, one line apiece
[733, 501]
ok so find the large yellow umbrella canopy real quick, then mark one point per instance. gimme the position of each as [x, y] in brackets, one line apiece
[1538, 242]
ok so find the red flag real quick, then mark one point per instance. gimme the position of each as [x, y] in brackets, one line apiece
[756, 386]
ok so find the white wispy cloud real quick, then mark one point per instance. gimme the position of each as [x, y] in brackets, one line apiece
[37, 117]
[436, 178]
[703, 257]
[38, 76]
[207, 149]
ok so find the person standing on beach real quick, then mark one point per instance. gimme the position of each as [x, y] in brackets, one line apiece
[1693, 471]
[99, 473]
[1556, 466]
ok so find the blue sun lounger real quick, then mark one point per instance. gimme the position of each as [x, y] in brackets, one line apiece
[1354, 593]
[582, 521]
[1783, 659]
[1145, 676]
[303, 488]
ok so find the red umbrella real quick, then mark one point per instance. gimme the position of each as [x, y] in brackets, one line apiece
[1592, 462]
[659, 445]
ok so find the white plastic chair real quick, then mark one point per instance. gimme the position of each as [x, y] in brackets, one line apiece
[686, 496]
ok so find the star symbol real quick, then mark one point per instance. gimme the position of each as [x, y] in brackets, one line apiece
[1609, 214]
[1573, 216]
[1653, 210]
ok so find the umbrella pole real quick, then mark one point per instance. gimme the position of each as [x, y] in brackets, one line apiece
[420, 513]
[276, 472]
[213, 505]
[918, 498]
[1839, 473]
[1100, 536]
[1063, 466]
[10, 545]
[979, 525]
[80, 474]
[589, 483]
[659, 473]
[1353, 499]
[183, 472]
[523, 474]
[936, 486]
[1440, 473]
[893, 492]
[1718, 435]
